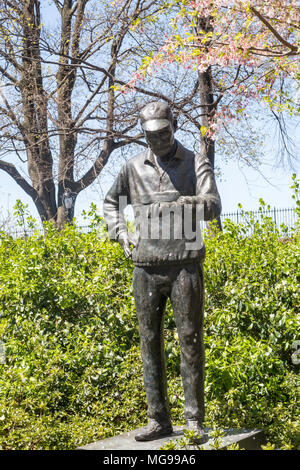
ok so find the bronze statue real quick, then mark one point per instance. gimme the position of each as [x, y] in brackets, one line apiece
[166, 184]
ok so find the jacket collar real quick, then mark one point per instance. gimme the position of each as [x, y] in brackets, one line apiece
[151, 158]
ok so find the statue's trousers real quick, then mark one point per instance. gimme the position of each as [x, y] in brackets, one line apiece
[184, 285]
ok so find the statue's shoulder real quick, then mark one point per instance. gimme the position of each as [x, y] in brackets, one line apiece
[131, 166]
[194, 157]
[186, 153]
[137, 159]
[200, 157]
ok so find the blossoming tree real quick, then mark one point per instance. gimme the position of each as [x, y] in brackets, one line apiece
[243, 51]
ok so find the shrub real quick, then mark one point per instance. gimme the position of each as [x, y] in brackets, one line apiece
[73, 373]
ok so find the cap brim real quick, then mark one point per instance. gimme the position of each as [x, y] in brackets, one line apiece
[155, 124]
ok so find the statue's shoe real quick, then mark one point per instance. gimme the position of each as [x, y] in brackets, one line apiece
[195, 426]
[154, 430]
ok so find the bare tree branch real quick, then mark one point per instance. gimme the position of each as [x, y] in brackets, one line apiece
[273, 30]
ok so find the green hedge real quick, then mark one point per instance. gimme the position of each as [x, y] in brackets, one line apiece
[73, 373]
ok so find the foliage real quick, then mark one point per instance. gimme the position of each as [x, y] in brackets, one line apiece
[260, 36]
[243, 32]
[189, 438]
[73, 373]
[246, 54]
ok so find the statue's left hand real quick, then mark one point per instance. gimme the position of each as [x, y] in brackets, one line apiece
[186, 200]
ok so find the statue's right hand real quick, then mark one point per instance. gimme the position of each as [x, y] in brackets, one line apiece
[125, 241]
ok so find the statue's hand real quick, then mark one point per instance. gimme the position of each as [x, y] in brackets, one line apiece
[126, 239]
[186, 200]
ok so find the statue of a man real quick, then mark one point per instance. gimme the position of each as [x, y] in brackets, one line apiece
[160, 183]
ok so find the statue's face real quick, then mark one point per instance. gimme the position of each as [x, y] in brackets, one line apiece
[161, 142]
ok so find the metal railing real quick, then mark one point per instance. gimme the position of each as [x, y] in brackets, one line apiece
[283, 218]
[280, 216]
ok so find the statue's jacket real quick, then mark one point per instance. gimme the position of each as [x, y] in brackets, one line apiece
[166, 232]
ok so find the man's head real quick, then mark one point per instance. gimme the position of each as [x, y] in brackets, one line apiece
[159, 126]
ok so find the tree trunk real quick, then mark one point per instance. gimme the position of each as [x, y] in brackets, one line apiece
[35, 107]
[208, 109]
[76, 105]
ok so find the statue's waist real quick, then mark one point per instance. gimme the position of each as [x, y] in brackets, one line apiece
[155, 196]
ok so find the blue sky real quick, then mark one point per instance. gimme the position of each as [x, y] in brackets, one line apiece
[237, 185]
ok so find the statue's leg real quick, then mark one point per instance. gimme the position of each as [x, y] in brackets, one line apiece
[187, 298]
[150, 305]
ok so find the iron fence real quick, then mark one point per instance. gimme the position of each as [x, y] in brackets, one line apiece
[284, 219]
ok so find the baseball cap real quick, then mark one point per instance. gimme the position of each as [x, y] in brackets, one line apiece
[155, 116]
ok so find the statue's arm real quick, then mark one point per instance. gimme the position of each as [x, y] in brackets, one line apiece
[117, 198]
[206, 189]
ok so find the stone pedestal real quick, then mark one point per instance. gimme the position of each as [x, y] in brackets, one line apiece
[247, 439]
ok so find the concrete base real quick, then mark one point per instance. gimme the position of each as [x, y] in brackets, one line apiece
[247, 439]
